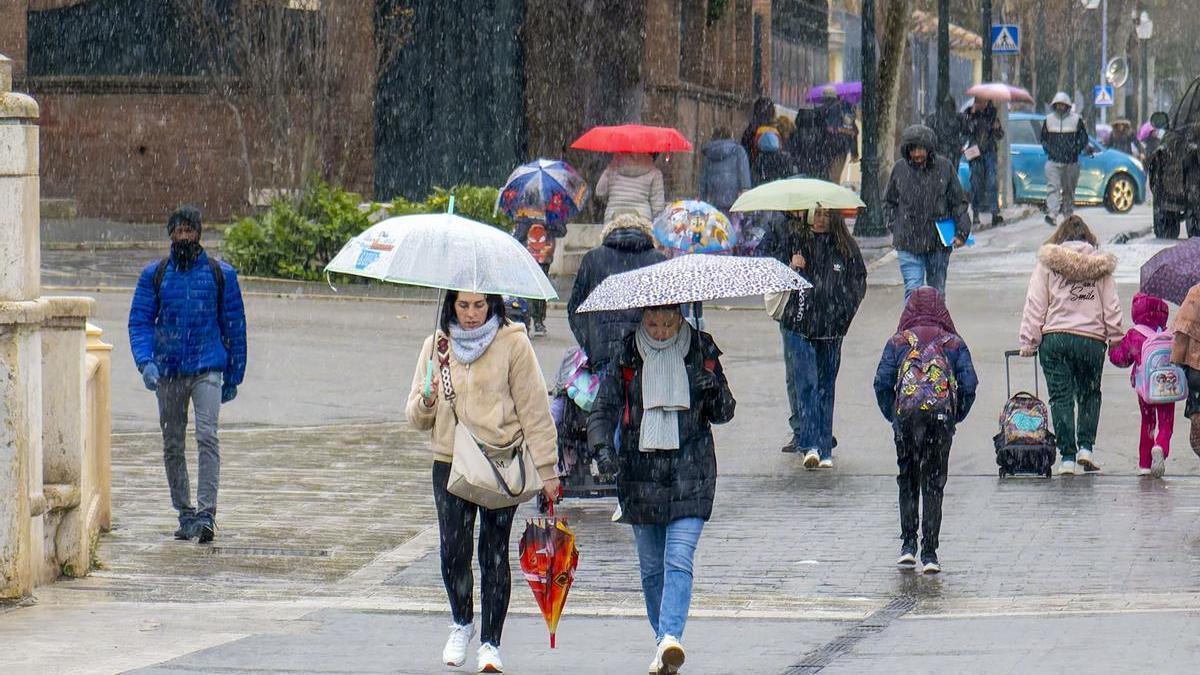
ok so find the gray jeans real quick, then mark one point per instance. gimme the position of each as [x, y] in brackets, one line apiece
[1061, 180]
[204, 393]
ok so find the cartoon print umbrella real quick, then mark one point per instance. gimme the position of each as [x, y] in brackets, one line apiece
[548, 559]
[1172, 272]
[695, 278]
[547, 188]
[632, 138]
[692, 226]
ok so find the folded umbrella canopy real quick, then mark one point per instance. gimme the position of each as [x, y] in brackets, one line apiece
[548, 559]
[999, 91]
[632, 138]
[691, 226]
[1172, 272]
[694, 278]
[545, 188]
[797, 194]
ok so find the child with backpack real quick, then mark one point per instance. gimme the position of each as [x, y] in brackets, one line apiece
[925, 385]
[1158, 382]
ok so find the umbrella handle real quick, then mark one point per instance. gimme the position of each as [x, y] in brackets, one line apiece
[429, 378]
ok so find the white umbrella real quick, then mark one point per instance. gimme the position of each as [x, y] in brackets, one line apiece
[442, 250]
[694, 278]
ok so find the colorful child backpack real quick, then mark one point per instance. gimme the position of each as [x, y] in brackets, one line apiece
[925, 383]
[1156, 379]
[1024, 420]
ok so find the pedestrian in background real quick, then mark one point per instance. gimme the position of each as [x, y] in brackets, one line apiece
[840, 134]
[187, 330]
[1149, 316]
[1185, 352]
[762, 113]
[820, 247]
[631, 184]
[500, 396]
[951, 130]
[984, 133]
[665, 392]
[1063, 137]
[540, 239]
[1124, 139]
[1072, 315]
[922, 190]
[725, 172]
[925, 386]
[628, 244]
[771, 160]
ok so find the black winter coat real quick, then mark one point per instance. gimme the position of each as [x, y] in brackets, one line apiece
[839, 283]
[601, 333]
[917, 197]
[656, 488]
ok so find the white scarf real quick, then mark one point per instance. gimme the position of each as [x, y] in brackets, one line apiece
[665, 387]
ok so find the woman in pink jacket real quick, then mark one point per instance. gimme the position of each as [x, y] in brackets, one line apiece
[1072, 315]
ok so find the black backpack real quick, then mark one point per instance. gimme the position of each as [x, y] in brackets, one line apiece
[218, 274]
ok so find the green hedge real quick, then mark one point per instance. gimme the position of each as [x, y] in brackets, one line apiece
[296, 239]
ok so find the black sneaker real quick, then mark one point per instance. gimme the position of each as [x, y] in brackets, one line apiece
[997, 220]
[187, 528]
[790, 447]
[1050, 221]
[206, 529]
[539, 329]
[908, 555]
[929, 563]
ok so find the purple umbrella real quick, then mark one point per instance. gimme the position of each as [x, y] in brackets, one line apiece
[1171, 273]
[850, 92]
[1144, 131]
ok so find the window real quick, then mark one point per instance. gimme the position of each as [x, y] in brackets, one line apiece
[1024, 132]
[799, 49]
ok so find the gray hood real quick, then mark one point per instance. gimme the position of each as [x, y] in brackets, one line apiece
[918, 135]
[719, 150]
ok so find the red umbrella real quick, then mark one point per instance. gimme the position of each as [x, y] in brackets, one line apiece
[998, 91]
[548, 559]
[632, 138]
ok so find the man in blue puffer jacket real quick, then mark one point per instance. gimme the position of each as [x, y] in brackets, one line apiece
[187, 329]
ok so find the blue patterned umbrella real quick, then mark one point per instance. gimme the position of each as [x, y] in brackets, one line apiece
[545, 189]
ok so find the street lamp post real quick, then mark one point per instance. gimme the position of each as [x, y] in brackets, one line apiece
[1145, 30]
[1103, 5]
[870, 223]
[986, 31]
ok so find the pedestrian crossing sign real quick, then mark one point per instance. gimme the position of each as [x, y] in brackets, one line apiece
[1006, 38]
[1102, 96]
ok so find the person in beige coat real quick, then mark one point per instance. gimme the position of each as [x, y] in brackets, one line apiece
[631, 184]
[1186, 352]
[499, 394]
[1072, 315]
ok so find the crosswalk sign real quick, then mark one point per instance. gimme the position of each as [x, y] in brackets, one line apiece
[1102, 96]
[1006, 38]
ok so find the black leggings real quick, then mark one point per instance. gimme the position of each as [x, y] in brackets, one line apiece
[923, 455]
[456, 524]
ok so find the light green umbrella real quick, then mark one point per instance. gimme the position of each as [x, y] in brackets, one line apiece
[797, 194]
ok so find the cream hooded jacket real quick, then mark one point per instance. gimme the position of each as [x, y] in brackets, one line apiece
[1072, 291]
[499, 395]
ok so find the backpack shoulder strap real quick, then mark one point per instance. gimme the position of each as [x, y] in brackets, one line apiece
[160, 271]
[1145, 331]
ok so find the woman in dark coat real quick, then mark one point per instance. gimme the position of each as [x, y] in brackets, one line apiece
[665, 391]
[825, 253]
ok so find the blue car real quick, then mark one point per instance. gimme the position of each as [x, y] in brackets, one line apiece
[1110, 177]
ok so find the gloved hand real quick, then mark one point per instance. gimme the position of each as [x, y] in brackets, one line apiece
[228, 392]
[150, 376]
[606, 462]
[703, 380]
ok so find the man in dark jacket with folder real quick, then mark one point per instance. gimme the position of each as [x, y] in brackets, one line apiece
[923, 190]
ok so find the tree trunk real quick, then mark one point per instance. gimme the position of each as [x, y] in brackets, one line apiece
[897, 19]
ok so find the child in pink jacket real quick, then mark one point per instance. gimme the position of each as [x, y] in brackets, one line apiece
[1154, 448]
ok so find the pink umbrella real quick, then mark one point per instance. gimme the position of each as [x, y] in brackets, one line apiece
[998, 91]
[1145, 131]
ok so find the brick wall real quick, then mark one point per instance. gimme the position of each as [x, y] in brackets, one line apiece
[12, 35]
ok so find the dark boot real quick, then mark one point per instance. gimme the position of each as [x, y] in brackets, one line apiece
[187, 527]
[206, 527]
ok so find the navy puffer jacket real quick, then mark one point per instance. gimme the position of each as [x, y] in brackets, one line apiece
[179, 332]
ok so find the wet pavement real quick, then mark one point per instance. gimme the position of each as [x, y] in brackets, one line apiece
[326, 556]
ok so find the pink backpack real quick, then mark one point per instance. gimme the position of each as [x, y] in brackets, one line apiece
[1155, 378]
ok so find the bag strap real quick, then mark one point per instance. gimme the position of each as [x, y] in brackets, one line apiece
[627, 378]
[1146, 332]
[442, 347]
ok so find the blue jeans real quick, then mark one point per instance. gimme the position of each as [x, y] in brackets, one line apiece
[924, 269]
[665, 554]
[985, 196]
[811, 368]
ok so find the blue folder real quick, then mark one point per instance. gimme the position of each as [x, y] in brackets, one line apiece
[945, 228]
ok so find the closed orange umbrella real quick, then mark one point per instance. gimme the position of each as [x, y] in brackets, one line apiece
[548, 559]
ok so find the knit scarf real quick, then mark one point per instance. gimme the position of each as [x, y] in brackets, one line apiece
[665, 387]
[469, 345]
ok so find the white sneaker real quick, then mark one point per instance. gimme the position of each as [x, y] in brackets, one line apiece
[489, 659]
[1067, 468]
[811, 459]
[617, 514]
[1143, 472]
[826, 463]
[455, 651]
[670, 656]
[1158, 463]
[1085, 461]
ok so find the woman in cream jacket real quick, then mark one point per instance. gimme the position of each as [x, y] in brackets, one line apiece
[499, 394]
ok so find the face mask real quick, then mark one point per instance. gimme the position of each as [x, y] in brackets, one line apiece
[185, 252]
